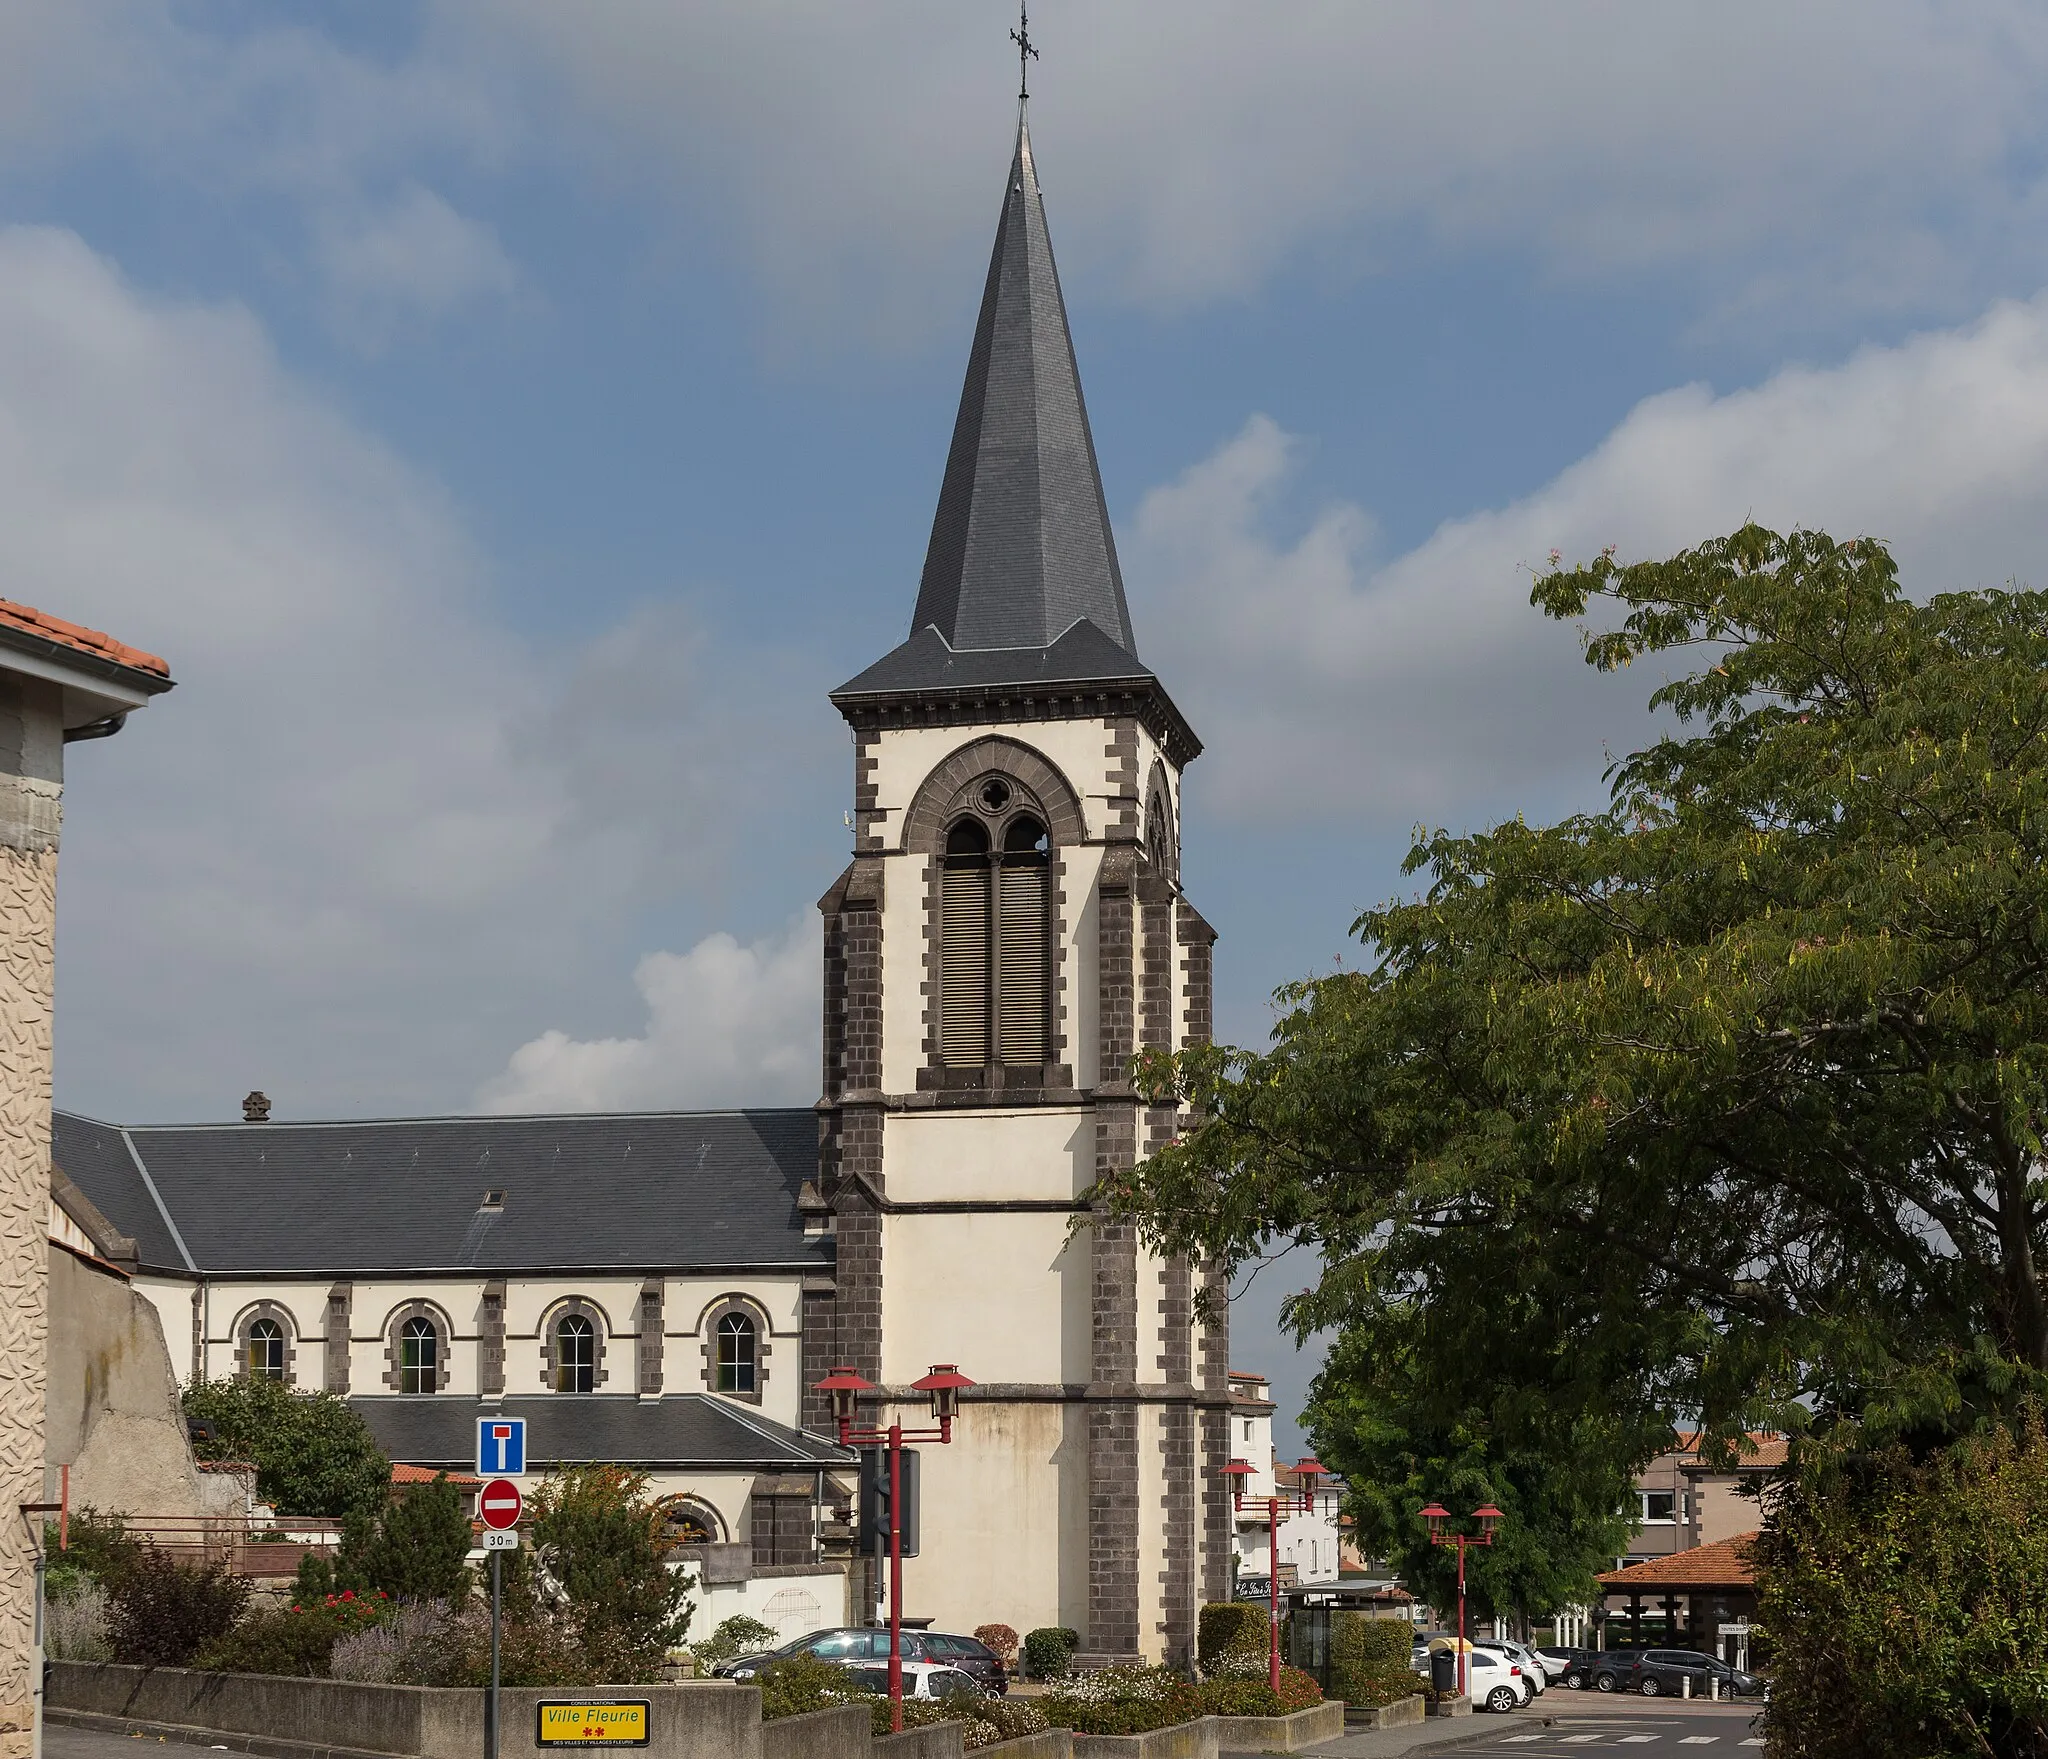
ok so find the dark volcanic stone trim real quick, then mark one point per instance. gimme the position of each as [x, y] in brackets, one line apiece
[869, 821]
[339, 1301]
[1147, 706]
[267, 1310]
[1197, 968]
[490, 1348]
[336, 1342]
[444, 1339]
[1159, 812]
[1218, 1541]
[651, 1339]
[947, 791]
[1156, 1009]
[859, 1340]
[1116, 1025]
[1113, 1469]
[707, 1328]
[550, 1356]
[820, 1331]
[1127, 810]
[1180, 1471]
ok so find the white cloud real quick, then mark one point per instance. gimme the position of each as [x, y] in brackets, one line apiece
[413, 258]
[370, 838]
[1842, 154]
[1424, 685]
[727, 1026]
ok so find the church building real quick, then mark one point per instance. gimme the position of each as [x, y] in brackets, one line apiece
[668, 1289]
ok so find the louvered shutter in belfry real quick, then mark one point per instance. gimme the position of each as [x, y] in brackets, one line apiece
[1021, 978]
[964, 965]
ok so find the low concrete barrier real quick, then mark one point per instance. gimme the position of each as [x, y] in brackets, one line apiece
[1398, 1714]
[1280, 1734]
[1051, 1743]
[1184, 1740]
[691, 1720]
[940, 1740]
[819, 1734]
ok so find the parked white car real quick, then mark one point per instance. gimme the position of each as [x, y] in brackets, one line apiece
[1495, 1682]
[1523, 1657]
[921, 1679]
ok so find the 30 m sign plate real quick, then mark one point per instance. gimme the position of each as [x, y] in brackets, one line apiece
[615, 1722]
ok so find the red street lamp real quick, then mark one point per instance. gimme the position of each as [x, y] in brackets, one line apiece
[942, 1389]
[1488, 1518]
[1280, 1503]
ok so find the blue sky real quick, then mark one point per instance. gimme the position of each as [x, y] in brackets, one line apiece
[510, 419]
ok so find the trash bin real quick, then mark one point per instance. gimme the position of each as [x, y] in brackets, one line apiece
[1443, 1670]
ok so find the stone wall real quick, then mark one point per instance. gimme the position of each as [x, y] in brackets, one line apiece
[31, 775]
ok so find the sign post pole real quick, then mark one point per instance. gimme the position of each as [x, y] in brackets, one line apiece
[491, 1703]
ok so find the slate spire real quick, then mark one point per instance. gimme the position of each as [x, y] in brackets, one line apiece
[1021, 548]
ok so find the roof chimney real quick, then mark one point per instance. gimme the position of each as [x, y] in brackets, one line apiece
[256, 1108]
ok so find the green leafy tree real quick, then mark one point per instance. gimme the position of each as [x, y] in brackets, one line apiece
[1381, 1419]
[600, 1552]
[1726, 1099]
[420, 1547]
[313, 1455]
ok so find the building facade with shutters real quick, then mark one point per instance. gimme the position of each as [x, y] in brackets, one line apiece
[1009, 932]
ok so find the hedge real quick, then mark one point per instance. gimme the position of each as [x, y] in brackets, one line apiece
[1048, 1649]
[1370, 1659]
[1233, 1636]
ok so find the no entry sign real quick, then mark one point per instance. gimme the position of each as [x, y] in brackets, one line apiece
[499, 1504]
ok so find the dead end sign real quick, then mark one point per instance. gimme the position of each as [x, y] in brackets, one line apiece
[614, 1722]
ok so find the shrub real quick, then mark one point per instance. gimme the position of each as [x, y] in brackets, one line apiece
[164, 1612]
[98, 1545]
[1122, 1701]
[75, 1617]
[1907, 1600]
[1048, 1649]
[418, 1645]
[803, 1683]
[1231, 1637]
[1011, 1718]
[420, 1546]
[602, 1546]
[1370, 1659]
[1232, 1695]
[314, 1455]
[294, 1640]
[1000, 1639]
[738, 1635]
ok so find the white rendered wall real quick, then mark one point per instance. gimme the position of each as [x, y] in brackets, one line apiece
[1037, 1153]
[1004, 1296]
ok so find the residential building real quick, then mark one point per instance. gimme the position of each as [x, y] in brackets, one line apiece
[60, 684]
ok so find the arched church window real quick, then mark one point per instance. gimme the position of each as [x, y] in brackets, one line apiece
[964, 965]
[575, 1354]
[265, 1357]
[419, 1357]
[994, 958]
[1023, 894]
[738, 1354]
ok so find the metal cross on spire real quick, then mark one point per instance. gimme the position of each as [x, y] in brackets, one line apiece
[1026, 51]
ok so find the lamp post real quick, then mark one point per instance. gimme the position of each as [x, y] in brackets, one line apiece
[942, 1388]
[1488, 1518]
[1281, 1502]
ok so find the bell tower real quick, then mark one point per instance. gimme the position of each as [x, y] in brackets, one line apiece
[1010, 931]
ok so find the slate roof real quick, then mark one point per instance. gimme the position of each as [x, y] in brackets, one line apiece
[678, 1431]
[928, 664]
[590, 1191]
[1021, 550]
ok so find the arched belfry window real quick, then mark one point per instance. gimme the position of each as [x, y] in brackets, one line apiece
[738, 1354]
[1024, 894]
[575, 1354]
[994, 957]
[964, 949]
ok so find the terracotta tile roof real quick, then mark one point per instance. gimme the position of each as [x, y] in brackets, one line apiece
[1724, 1564]
[30, 621]
[1764, 1453]
[403, 1474]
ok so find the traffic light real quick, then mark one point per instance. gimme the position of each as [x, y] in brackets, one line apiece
[874, 1501]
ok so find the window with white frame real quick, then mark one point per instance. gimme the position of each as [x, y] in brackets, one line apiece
[1659, 1507]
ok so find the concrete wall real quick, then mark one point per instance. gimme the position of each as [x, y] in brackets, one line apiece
[31, 791]
[791, 1599]
[843, 1733]
[111, 1404]
[695, 1720]
[942, 1740]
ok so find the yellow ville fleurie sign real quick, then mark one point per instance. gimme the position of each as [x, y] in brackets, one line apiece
[616, 1722]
